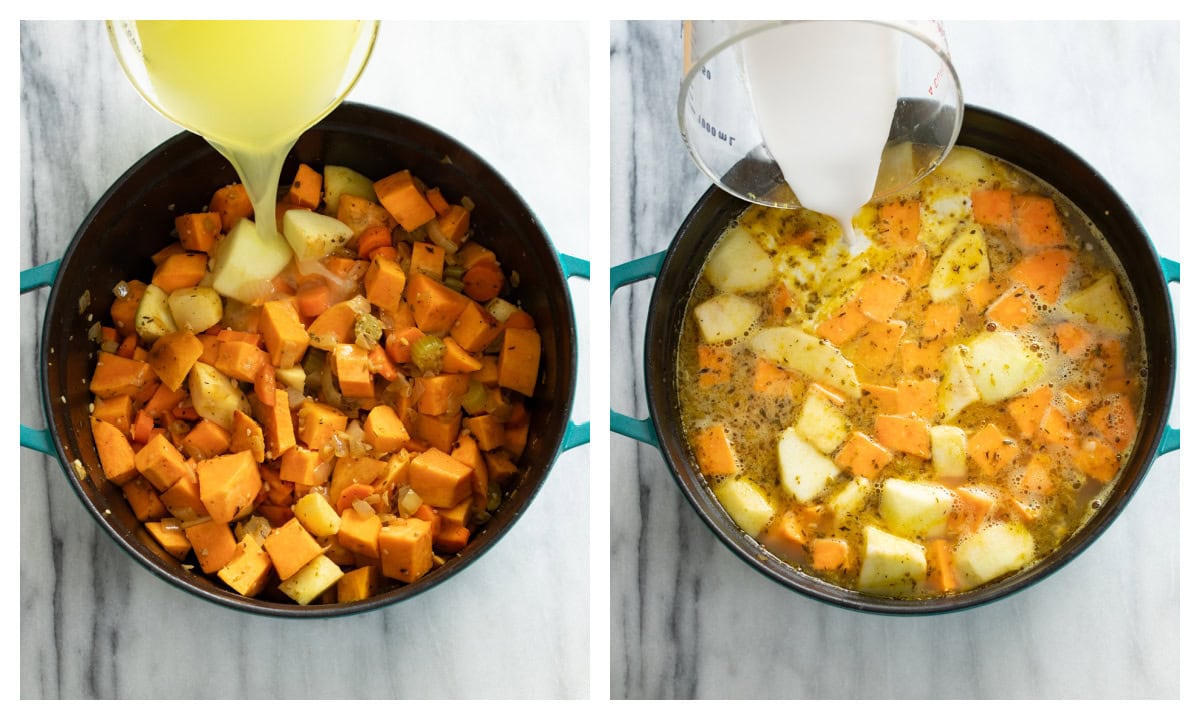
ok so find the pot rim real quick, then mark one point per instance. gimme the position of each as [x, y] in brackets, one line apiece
[700, 497]
[346, 118]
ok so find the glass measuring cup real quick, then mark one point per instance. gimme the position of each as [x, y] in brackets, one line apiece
[717, 118]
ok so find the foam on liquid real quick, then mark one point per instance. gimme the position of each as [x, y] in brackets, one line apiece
[250, 88]
[824, 95]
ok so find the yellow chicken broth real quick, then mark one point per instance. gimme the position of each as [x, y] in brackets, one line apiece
[821, 277]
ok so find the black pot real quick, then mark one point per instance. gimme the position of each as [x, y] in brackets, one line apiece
[132, 221]
[678, 268]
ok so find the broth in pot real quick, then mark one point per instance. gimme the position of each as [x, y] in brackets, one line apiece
[935, 412]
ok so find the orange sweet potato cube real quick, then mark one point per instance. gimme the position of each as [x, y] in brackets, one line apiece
[359, 532]
[404, 202]
[520, 353]
[475, 328]
[991, 450]
[229, 485]
[358, 584]
[241, 360]
[172, 357]
[903, 434]
[183, 500]
[207, 439]
[429, 259]
[406, 549]
[115, 375]
[179, 271]
[440, 394]
[917, 397]
[198, 231]
[487, 429]
[283, 333]
[232, 203]
[1037, 222]
[213, 543]
[843, 324]
[317, 422]
[352, 364]
[300, 466]
[117, 457]
[247, 434]
[456, 359]
[454, 223]
[880, 294]
[715, 365]
[117, 411]
[830, 553]
[439, 431]
[171, 538]
[290, 548]
[143, 500]
[900, 223]
[276, 420]
[435, 307]
[162, 464]
[439, 479]
[249, 569]
[383, 430]
[713, 452]
[305, 190]
[384, 283]
[863, 456]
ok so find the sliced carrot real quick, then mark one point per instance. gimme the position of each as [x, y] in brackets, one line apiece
[483, 282]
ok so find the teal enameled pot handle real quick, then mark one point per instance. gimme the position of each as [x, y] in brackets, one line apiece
[32, 279]
[620, 276]
[1170, 437]
[577, 433]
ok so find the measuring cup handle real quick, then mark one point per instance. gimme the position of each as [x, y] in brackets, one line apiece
[32, 279]
[577, 433]
[1170, 437]
[626, 274]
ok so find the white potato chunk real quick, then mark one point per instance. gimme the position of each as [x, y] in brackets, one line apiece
[851, 498]
[890, 563]
[821, 422]
[313, 235]
[344, 181]
[244, 263]
[214, 395]
[311, 580]
[1102, 304]
[957, 390]
[196, 309]
[316, 515]
[948, 447]
[1000, 365]
[726, 317]
[803, 470]
[913, 509]
[964, 263]
[993, 551]
[738, 264]
[966, 167]
[153, 318]
[292, 377]
[810, 355]
[746, 504]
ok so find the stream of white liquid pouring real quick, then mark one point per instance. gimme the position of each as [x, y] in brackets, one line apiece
[824, 95]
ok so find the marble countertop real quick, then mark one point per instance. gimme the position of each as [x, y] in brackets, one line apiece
[94, 623]
[691, 620]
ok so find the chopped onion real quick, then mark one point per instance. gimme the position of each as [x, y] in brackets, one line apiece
[121, 290]
[84, 300]
[439, 239]
[94, 333]
[467, 203]
[409, 501]
[363, 508]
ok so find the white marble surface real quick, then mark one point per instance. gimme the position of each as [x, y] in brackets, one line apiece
[95, 624]
[689, 619]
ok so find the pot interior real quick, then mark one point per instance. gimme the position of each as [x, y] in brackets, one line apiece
[134, 219]
[1026, 148]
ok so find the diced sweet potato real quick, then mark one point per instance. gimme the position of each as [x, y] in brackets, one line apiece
[283, 333]
[939, 557]
[305, 190]
[475, 328]
[903, 434]
[232, 203]
[116, 454]
[299, 466]
[249, 569]
[115, 375]
[1073, 340]
[1116, 421]
[247, 434]
[290, 548]
[880, 295]
[277, 424]
[171, 538]
[229, 485]
[439, 479]
[992, 207]
[440, 394]
[358, 584]
[714, 454]
[352, 365]
[454, 223]
[404, 202]
[900, 223]
[183, 500]
[406, 549]
[183, 270]
[1043, 273]
[162, 464]
[1028, 410]
[241, 360]
[1096, 459]
[213, 543]
[991, 450]
[198, 231]
[384, 284]
[972, 506]
[428, 259]
[317, 422]
[917, 397]
[1013, 309]
[830, 553]
[435, 307]
[1037, 477]
[941, 320]
[863, 456]
[359, 532]
[487, 429]
[456, 359]
[206, 440]
[383, 430]
[843, 324]
[885, 398]
[1037, 222]
[520, 353]
[172, 357]
[770, 379]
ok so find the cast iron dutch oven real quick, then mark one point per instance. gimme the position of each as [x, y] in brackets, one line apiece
[131, 222]
[677, 268]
